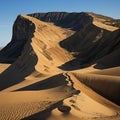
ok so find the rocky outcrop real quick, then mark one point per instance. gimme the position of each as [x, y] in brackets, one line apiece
[23, 30]
[64, 109]
[74, 21]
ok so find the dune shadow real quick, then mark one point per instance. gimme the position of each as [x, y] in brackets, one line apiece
[17, 72]
[64, 116]
[43, 115]
[74, 65]
[109, 61]
[64, 19]
[19, 51]
[39, 116]
[10, 53]
[99, 66]
[54, 81]
[83, 48]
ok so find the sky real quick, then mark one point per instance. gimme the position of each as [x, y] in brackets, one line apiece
[10, 9]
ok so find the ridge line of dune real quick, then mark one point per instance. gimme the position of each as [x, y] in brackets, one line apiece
[91, 93]
[36, 77]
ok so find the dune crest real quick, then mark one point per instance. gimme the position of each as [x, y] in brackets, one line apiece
[61, 59]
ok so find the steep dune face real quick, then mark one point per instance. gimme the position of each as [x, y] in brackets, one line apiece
[37, 44]
[21, 68]
[90, 47]
[105, 85]
[41, 49]
[114, 71]
[74, 21]
[40, 53]
[92, 40]
[108, 61]
[84, 48]
[20, 36]
[113, 52]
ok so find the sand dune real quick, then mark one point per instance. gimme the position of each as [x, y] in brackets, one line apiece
[115, 71]
[107, 86]
[28, 104]
[83, 107]
[61, 58]
[34, 52]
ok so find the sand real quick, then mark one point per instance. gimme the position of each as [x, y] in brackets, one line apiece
[33, 86]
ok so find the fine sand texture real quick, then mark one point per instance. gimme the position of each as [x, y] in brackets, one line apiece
[58, 68]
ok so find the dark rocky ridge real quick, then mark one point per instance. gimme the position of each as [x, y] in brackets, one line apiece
[22, 32]
[79, 42]
[74, 21]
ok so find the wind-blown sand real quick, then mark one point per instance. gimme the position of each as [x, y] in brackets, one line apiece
[34, 86]
[83, 107]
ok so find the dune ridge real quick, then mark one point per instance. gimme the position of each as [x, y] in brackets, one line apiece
[42, 68]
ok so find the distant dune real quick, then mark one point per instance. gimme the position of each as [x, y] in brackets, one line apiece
[61, 60]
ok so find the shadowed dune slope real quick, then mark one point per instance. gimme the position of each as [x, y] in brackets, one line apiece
[93, 38]
[38, 54]
[20, 37]
[109, 61]
[114, 71]
[32, 104]
[74, 21]
[105, 85]
[35, 45]
[96, 44]
[46, 56]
